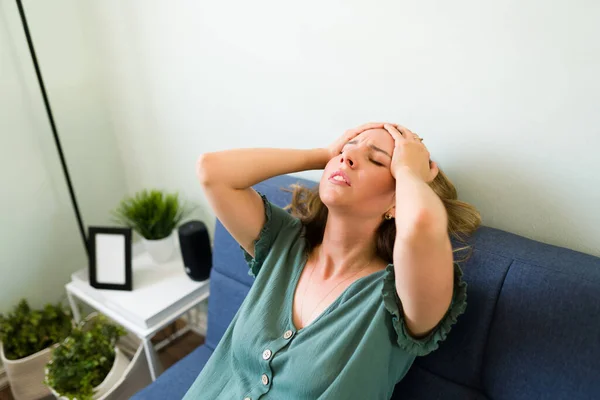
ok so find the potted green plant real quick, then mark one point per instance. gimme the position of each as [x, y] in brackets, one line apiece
[88, 362]
[27, 337]
[154, 214]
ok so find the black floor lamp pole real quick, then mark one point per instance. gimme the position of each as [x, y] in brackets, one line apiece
[53, 125]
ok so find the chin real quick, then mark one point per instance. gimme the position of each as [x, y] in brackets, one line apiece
[331, 195]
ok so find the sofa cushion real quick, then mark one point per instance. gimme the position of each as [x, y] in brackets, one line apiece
[545, 337]
[531, 328]
[431, 387]
[226, 296]
[175, 381]
[460, 356]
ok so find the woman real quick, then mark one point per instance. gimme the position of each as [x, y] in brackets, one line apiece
[352, 285]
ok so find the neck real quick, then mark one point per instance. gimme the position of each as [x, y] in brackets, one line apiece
[348, 246]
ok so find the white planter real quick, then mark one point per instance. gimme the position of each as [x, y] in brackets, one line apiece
[26, 375]
[114, 376]
[161, 250]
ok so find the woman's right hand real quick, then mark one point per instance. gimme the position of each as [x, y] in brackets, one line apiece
[335, 148]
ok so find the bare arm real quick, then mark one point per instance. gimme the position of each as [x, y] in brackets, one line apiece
[422, 255]
[423, 261]
[227, 177]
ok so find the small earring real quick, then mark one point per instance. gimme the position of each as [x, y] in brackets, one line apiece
[388, 216]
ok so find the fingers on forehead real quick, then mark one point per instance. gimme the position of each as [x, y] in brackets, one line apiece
[403, 130]
[391, 130]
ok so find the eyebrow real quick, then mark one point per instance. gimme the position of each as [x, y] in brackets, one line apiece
[373, 147]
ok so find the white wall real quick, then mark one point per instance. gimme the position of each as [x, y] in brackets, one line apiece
[40, 243]
[504, 93]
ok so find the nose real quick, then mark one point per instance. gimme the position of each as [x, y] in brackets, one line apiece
[349, 157]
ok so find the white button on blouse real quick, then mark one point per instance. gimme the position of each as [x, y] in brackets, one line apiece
[267, 354]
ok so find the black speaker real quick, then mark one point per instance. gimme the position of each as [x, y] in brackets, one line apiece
[195, 250]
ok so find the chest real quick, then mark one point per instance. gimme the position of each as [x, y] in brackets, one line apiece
[313, 296]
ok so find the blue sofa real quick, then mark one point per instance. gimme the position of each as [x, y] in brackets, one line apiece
[531, 329]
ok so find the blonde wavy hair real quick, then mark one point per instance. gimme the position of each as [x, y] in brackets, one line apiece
[463, 218]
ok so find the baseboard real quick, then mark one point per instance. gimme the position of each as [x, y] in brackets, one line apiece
[3, 378]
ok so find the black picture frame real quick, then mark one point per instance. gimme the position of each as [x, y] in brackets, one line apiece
[95, 270]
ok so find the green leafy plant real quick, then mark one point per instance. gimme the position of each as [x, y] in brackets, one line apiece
[152, 213]
[84, 359]
[26, 331]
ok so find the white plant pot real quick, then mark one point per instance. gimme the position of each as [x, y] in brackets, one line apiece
[161, 250]
[26, 375]
[114, 376]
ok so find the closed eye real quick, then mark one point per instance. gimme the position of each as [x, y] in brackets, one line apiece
[370, 159]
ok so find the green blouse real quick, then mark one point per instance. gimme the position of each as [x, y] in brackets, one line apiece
[357, 348]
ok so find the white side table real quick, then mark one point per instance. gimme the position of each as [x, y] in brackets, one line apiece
[161, 294]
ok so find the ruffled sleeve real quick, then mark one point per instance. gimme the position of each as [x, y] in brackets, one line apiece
[429, 343]
[276, 220]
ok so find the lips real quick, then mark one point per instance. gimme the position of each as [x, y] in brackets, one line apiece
[343, 175]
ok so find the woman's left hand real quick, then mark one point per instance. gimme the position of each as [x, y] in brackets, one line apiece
[411, 153]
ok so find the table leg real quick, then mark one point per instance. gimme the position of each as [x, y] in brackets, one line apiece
[74, 308]
[153, 361]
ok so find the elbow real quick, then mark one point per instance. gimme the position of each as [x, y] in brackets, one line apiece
[423, 224]
[433, 220]
[434, 224]
[204, 168]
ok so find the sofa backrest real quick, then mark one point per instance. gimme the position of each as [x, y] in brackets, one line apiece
[531, 329]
